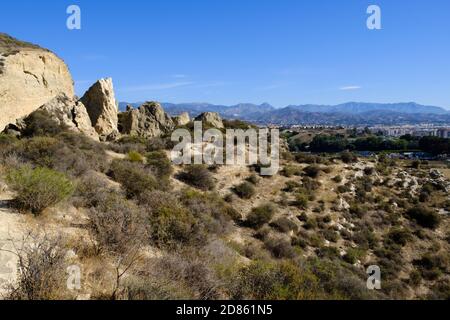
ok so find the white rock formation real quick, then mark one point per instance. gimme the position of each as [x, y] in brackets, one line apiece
[102, 108]
[29, 77]
[211, 118]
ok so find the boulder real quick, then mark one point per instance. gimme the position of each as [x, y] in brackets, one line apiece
[68, 112]
[211, 118]
[30, 76]
[148, 121]
[102, 108]
[182, 119]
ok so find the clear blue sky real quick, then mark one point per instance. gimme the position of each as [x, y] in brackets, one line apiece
[229, 51]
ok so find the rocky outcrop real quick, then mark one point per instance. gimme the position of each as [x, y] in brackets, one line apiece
[70, 113]
[182, 119]
[212, 119]
[102, 108]
[30, 76]
[148, 121]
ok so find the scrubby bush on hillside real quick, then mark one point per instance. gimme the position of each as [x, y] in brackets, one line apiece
[197, 176]
[348, 157]
[117, 224]
[433, 265]
[245, 190]
[399, 236]
[135, 156]
[171, 224]
[301, 200]
[284, 225]
[425, 217]
[260, 215]
[280, 247]
[287, 280]
[40, 123]
[160, 164]
[41, 272]
[312, 171]
[38, 189]
[290, 171]
[134, 178]
[253, 179]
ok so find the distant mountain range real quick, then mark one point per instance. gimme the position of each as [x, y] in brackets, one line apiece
[352, 113]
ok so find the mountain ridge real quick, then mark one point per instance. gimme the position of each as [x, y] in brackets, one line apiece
[351, 113]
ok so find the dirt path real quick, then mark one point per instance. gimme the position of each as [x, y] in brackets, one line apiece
[12, 229]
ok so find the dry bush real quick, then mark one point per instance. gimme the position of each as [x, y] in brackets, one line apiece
[197, 176]
[160, 164]
[312, 171]
[275, 281]
[134, 177]
[117, 224]
[280, 247]
[424, 216]
[213, 214]
[40, 123]
[260, 215]
[41, 270]
[178, 275]
[245, 190]
[284, 225]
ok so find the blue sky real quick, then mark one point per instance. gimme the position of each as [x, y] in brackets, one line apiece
[229, 51]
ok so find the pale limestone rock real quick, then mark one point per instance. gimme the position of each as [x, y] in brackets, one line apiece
[182, 119]
[211, 118]
[70, 113]
[29, 77]
[148, 121]
[102, 108]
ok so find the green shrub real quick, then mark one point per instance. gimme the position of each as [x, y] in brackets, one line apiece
[348, 157]
[290, 171]
[432, 265]
[260, 215]
[282, 280]
[312, 171]
[301, 201]
[197, 176]
[337, 179]
[135, 156]
[353, 255]
[330, 235]
[135, 179]
[38, 189]
[284, 225]
[253, 179]
[160, 164]
[310, 224]
[40, 123]
[291, 186]
[399, 236]
[245, 190]
[280, 248]
[425, 217]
